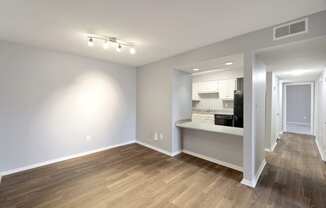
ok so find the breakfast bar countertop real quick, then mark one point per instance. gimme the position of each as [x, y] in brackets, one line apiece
[206, 126]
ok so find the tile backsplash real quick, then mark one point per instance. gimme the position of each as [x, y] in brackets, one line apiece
[212, 102]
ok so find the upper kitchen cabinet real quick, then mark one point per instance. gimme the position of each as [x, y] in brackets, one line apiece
[195, 96]
[226, 89]
[208, 87]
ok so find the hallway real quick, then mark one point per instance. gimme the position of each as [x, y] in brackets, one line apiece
[295, 175]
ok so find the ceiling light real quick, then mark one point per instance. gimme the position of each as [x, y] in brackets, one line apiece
[106, 45]
[228, 63]
[119, 48]
[90, 42]
[195, 69]
[107, 41]
[297, 72]
[132, 50]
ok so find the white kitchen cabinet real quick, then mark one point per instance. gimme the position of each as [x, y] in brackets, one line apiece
[226, 89]
[195, 96]
[208, 87]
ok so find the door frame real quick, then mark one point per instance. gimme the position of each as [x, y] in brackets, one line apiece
[312, 104]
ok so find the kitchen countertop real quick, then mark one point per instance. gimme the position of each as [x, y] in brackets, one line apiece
[206, 126]
[212, 112]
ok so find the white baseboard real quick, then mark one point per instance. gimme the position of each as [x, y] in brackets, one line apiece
[235, 167]
[252, 183]
[248, 183]
[321, 152]
[267, 150]
[155, 148]
[36, 165]
[176, 153]
[213, 160]
[273, 147]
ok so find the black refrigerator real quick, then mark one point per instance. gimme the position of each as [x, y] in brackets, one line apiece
[238, 104]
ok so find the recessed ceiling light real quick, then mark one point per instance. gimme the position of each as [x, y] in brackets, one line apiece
[298, 72]
[228, 63]
[132, 50]
[195, 69]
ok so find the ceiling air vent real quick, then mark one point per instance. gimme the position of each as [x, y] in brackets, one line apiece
[290, 29]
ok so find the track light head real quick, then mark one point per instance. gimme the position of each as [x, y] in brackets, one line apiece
[90, 42]
[119, 47]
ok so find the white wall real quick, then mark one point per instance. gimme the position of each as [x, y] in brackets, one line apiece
[273, 111]
[321, 115]
[259, 95]
[51, 101]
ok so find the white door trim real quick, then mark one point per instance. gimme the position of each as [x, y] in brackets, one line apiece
[312, 85]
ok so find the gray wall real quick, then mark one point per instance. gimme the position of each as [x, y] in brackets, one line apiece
[181, 105]
[154, 106]
[157, 76]
[51, 101]
[221, 147]
[269, 109]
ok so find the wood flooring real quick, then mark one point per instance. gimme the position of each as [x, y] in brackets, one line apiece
[134, 176]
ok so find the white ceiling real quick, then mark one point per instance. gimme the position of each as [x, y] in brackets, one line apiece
[218, 64]
[297, 61]
[159, 28]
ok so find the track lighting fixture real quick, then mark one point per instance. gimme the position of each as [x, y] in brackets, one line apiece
[111, 40]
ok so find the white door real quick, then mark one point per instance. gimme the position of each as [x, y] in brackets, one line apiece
[298, 98]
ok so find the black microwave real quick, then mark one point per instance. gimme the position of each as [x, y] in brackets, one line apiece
[223, 120]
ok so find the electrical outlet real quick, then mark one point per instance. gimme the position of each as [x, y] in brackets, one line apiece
[161, 136]
[88, 138]
[155, 136]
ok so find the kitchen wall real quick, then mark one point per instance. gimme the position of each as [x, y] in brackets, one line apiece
[156, 107]
[54, 105]
[213, 101]
[224, 148]
[181, 105]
